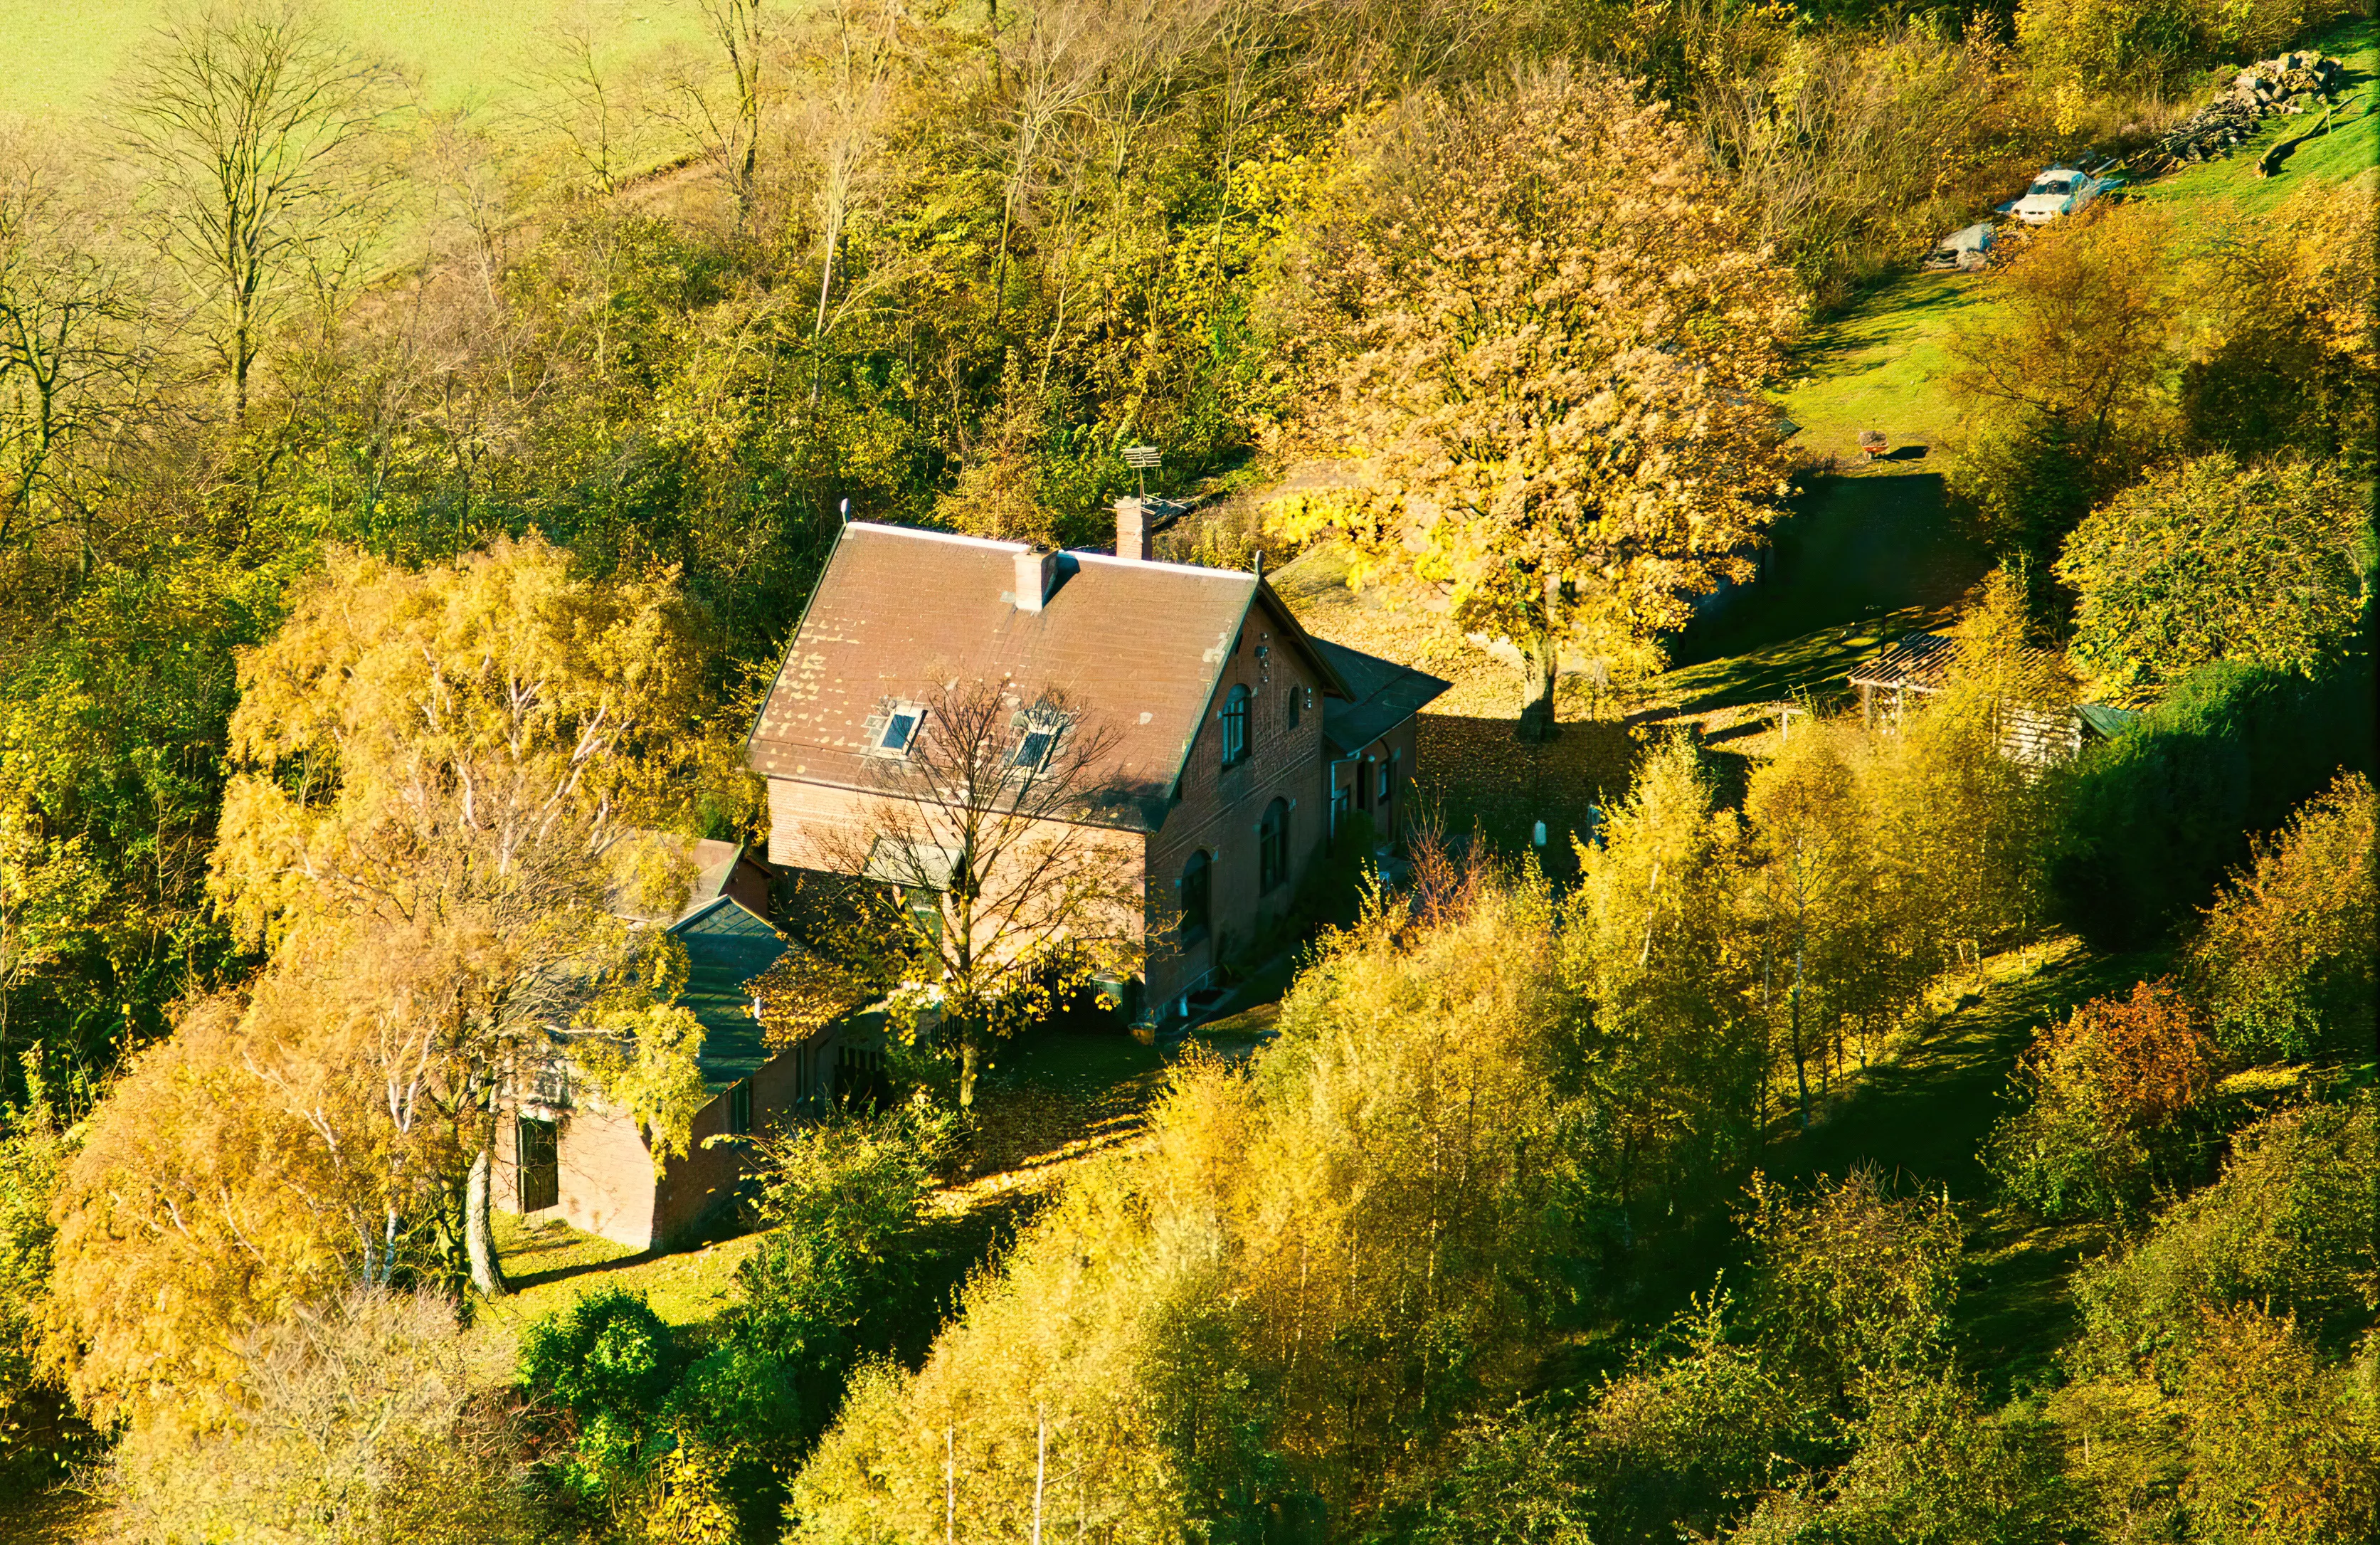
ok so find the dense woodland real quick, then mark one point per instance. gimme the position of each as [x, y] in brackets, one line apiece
[328, 421]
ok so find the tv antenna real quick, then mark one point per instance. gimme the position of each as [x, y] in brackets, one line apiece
[1142, 459]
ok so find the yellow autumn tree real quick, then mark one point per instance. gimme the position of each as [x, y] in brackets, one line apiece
[1550, 330]
[441, 782]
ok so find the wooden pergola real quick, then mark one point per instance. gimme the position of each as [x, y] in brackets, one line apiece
[1919, 664]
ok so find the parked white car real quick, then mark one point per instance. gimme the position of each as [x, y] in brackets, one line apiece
[2058, 190]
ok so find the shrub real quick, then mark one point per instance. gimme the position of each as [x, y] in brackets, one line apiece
[2149, 823]
[355, 1423]
[839, 1199]
[609, 1362]
[2155, 44]
[2209, 560]
[1851, 1282]
[2104, 1094]
[2286, 960]
[2290, 1225]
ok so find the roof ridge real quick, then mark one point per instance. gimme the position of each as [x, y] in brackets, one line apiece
[1000, 544]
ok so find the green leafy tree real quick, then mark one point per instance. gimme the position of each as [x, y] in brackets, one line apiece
[2062, 384]
[1675, 1056]
[2209, 560]
[1553, 326]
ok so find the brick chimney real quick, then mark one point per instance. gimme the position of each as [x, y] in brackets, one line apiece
[1035, 567]
[1132, 528]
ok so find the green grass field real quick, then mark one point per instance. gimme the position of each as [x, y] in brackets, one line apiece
[66, 53]
[2351, 144]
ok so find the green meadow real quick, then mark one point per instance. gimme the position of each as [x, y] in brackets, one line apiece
[63, 56]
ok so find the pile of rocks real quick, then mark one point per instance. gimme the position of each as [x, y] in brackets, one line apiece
[2290, 83]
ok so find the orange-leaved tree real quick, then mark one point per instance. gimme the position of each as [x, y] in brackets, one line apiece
[440, 782]
[1549, 327]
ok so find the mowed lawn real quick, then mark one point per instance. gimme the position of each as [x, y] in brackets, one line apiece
[64, 56]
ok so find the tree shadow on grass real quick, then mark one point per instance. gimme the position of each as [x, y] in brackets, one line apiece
[1923, 1117]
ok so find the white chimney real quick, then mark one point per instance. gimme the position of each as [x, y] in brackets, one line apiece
[1035, 567]
[1132, 528]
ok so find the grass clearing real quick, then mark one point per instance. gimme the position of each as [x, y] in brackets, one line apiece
[2350, 146]
[460, 52]
[1921, 1113]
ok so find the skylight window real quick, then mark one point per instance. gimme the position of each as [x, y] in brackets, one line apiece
[893, 732]
[1038, 732]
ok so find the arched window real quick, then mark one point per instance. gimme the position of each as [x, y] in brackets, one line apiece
[1296, 703]
[1195, 892]
[1273, 846]
[1236, 726]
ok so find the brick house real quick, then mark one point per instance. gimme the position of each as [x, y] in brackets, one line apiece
[559, 1149]
[1241, 745]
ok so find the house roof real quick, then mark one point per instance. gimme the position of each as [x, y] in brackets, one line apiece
[2104, 721]
[1382, 695]
[726, 946]
[713, 862]
[1920, 662]
[1139, 646]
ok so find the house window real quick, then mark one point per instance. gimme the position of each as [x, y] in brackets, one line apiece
[1038, 736]
[1388, 779]
[1273, 846]
[538, 1147]
[739, 1109]
[1195, 905]
[894, 732]
[1296, 705]
[1364, 785]
[1236, 726]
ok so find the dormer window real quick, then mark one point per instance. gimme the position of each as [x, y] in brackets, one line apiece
[894, 731]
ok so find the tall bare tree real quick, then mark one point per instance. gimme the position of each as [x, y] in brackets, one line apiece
[726, 118]
[74, 350]
[856, 66]
[990, 828]
[251, 127]
[602, 115]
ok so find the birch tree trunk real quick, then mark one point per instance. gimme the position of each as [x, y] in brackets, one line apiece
[479, 1234]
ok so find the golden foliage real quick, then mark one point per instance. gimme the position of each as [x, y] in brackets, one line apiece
[235, 1172]
[1555, 329]
[2130, 1062]
[2285, 960]
[1360, 1223]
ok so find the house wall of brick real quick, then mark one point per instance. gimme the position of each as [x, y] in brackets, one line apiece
[817, 827]
[1220, 810]
[606, 1181]
[705, 1179]
[1393, 754]
[607, 1177]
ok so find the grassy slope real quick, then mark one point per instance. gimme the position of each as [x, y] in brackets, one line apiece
[2351, 145]
[459, 51]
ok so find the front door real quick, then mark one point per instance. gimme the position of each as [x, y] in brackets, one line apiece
[540, 1166]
